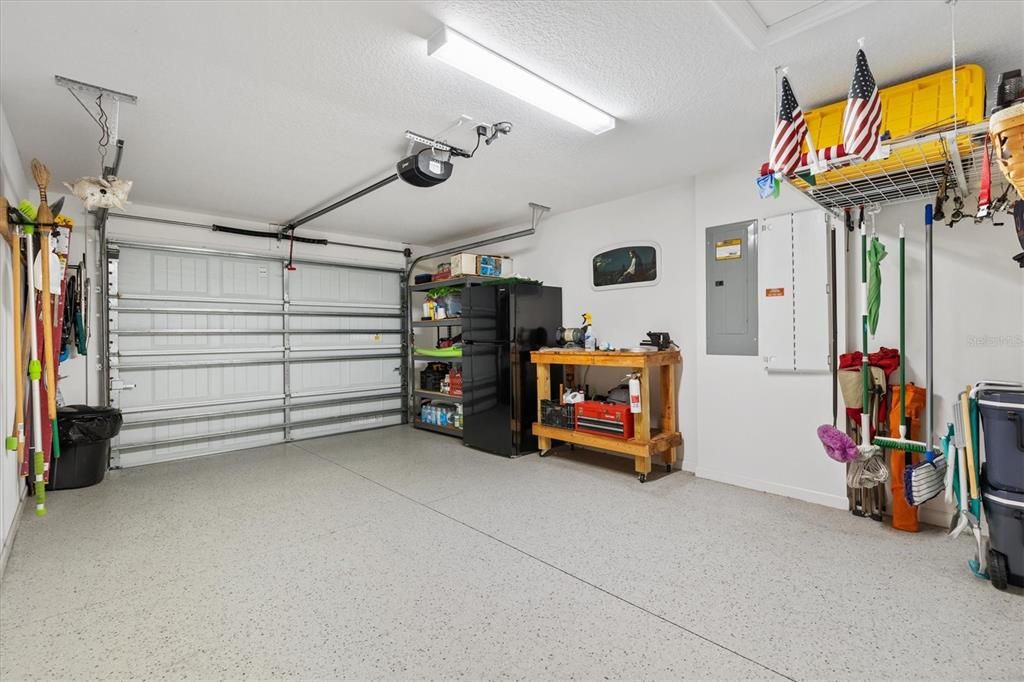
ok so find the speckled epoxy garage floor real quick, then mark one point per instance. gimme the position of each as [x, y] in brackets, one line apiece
[401, 554]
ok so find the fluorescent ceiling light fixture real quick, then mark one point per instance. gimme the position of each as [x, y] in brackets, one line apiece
[455, 49]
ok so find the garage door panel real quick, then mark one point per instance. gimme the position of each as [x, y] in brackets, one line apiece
[361, 424]
[154, 273]
[365, 342]
[130, 321]
[165, 453]
[314, 284]
[173, 386]
[352, 374]
[198, 426]
[200, 340]
[199, 343]
[302, 413]
[370, 321]
[355, 423]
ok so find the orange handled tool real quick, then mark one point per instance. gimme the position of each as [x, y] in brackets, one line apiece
[17, 438]
[44, 220]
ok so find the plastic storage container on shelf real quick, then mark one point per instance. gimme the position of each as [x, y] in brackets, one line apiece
[1002, 419]
[1004, 510]
[915, 107]
[85, 434]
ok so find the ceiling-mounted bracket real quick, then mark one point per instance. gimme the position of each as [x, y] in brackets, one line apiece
[94, 90]
[538, 212]
[109, 124]
[96, 93]
[949, 140]
[415, 138]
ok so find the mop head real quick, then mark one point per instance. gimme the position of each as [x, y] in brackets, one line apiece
[837, 444]
[869, 469]
[924, 481]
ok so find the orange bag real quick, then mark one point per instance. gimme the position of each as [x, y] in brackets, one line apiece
[904, 516]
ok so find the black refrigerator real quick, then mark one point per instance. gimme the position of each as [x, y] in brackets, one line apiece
[501, 324]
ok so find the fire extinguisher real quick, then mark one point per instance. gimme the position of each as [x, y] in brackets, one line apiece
[634, 394]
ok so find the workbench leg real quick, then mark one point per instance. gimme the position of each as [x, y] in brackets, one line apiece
[543, 393]
[669, 410]
[642, 464]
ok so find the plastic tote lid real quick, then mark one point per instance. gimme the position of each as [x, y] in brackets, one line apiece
[993, 397]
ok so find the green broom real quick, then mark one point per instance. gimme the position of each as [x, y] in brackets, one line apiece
[924, 480]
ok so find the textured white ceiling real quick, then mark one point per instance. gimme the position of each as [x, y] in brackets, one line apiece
[774, 11]
[264, 109]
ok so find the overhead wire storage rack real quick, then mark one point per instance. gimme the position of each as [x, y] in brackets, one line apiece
[935, 126]
[912, 169]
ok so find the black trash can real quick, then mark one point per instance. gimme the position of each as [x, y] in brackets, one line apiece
[1004, 510]
[85, 434]
[1002, 416]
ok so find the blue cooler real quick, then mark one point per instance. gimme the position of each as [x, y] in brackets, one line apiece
[1004, 510]
[1002, 418]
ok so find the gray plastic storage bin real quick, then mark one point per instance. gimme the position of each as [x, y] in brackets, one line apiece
[1005, 513]
[1002, 416]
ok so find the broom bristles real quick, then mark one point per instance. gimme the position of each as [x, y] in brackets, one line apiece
[898, 444]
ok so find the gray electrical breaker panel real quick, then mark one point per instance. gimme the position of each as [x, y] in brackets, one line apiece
[731, 257]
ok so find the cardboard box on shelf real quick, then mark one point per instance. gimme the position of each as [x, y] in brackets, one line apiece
[444, 271]
[463, 264]
[494, 266]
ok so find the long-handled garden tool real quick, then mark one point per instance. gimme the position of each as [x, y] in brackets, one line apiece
[869, 469]
[926, 479]
[963, 481]
[16, 441]
[45, 222]
[35, 373]
[865, 465]
[904, 516]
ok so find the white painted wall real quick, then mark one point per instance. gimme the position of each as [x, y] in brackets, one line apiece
[14, 185]
[560, 255]
[979, 333]
[979, 293]
[757, 429]
[740, 424]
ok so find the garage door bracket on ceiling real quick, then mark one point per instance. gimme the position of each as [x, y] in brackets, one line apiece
[433, 169]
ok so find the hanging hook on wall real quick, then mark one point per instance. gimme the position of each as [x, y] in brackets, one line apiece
[873, 210]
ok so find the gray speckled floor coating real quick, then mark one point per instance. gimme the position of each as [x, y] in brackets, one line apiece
[401, 554]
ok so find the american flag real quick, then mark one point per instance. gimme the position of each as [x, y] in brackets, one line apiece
[836, 151]
[790, 130]
[863, 117]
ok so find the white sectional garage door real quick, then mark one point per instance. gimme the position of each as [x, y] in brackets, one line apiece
[213, 351]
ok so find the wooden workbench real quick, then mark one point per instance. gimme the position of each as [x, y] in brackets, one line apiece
[645, 443]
